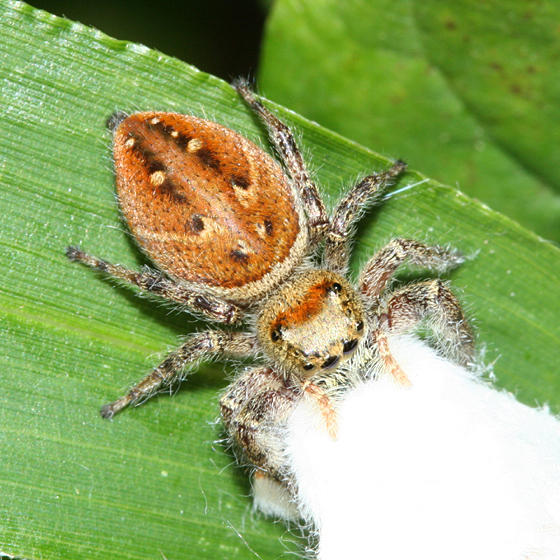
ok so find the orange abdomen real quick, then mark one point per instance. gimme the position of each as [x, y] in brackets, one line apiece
[205, 203]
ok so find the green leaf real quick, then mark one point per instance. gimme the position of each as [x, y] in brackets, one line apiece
[153, 483]
[466, 91]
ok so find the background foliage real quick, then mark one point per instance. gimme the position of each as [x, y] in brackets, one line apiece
[467, 92]
[153, 483]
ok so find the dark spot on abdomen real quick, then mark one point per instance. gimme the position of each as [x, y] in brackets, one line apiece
[196, 223]
[241, 181]
[181, 141]
[155, 165]
[239, 256]
[208, 158]
[164, 129]
[170, 189]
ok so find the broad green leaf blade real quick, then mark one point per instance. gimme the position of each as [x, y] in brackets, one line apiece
[153, 483]
[504, 67]
[465, 91]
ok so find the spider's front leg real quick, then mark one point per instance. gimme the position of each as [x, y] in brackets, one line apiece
[255, 411]
[197, 347]
[434, 301]
[378, 272]
[405, 309]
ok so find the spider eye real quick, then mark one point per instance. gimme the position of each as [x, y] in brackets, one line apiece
[360, 326]
[308, 367]
[276, 334]
[336, 288]
[349, 345]
[330, 362]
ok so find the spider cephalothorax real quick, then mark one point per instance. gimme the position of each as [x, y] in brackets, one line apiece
[312, 323]
[233, 236]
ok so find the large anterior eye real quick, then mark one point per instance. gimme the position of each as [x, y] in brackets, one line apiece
[276, 334]
[349, 345]
[335, 288]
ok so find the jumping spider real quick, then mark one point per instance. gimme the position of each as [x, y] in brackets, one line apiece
[233, 237]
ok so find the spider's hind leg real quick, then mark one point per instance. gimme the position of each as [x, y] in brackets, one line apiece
[154, 282]
[284, 142]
